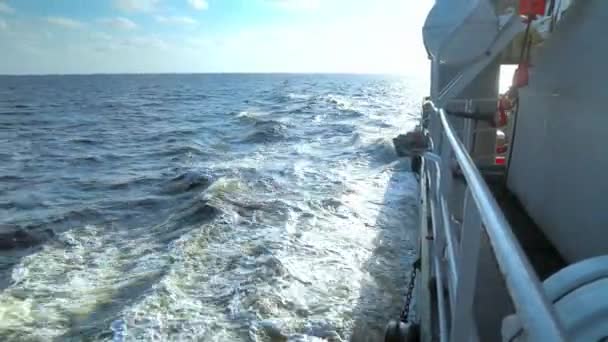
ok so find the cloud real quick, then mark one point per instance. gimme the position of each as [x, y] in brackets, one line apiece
[100, 36]
[65, 22]
[135, 5]
[6, 9]
[199, 4]
[373, 38]
[296, 4]
[3, 25]
[119, 23]
[145, 42]
[176, 20]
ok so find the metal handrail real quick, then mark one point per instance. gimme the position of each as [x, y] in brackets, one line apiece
[534, 309]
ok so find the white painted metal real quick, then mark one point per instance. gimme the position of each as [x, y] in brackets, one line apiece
[435, 85]
[470, 241]
[532, 306]
[512, 28]
[467, 131]
[460, 31]
[524, 287]
[437, 261]
[424, 308]
[467, 135]
[559, 161]
[442, 308]
[446, 241]
[580, 294]
[445, 183]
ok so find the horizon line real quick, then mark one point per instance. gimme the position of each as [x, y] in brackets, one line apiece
[209, 73]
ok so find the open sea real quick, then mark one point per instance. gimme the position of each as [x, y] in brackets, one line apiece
[210, 207]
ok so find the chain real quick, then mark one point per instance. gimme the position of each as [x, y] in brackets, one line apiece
[410, 292]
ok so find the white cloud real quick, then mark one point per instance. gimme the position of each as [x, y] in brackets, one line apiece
[199, 4]
[176, 20]
[296, 4]
[6, 9]
[119, 23]
[100, 36]
[145, 42]
[3, 25]
[374, 38]
[135, 5]
[65, 22]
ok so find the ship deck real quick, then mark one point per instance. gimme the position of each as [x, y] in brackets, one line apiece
[492, 301]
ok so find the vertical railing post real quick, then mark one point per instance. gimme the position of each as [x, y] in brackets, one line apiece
[462, 312]
[445, 192]
[446, 168]
[467, 132]
[437, 249]
[467, 135]
[435, 130]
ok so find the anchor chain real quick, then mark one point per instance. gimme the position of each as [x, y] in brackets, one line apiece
[410, 292]
[402, 330]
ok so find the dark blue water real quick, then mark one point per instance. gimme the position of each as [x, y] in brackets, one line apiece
[204, 207]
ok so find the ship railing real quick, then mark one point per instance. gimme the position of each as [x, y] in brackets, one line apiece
[459, 249]
[468, 110]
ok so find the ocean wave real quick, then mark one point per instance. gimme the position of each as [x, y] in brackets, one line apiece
[180, 151]
[298, 330]
[270, 123]
[179, 225]
[344, 105]
[121, 184]
[142, 203]
[217, 192]
[251, 116]
[79, 279]
[380, 123]
[90, 159]
[181, 97]
[15, 113]
[340, 102]
[178, 132]
[67, 219]
[355, 138]
[267, 131]
[11, 178]
[24, 201]
[381, 150]
[340, 128]
[282, 98]
[16, 237]
[152, 104]
[351, 112]
[307, 108]
[296, 96]
[188, 181]
[196, 212]
[84, 141]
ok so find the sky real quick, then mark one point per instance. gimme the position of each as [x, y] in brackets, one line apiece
[174, 36]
